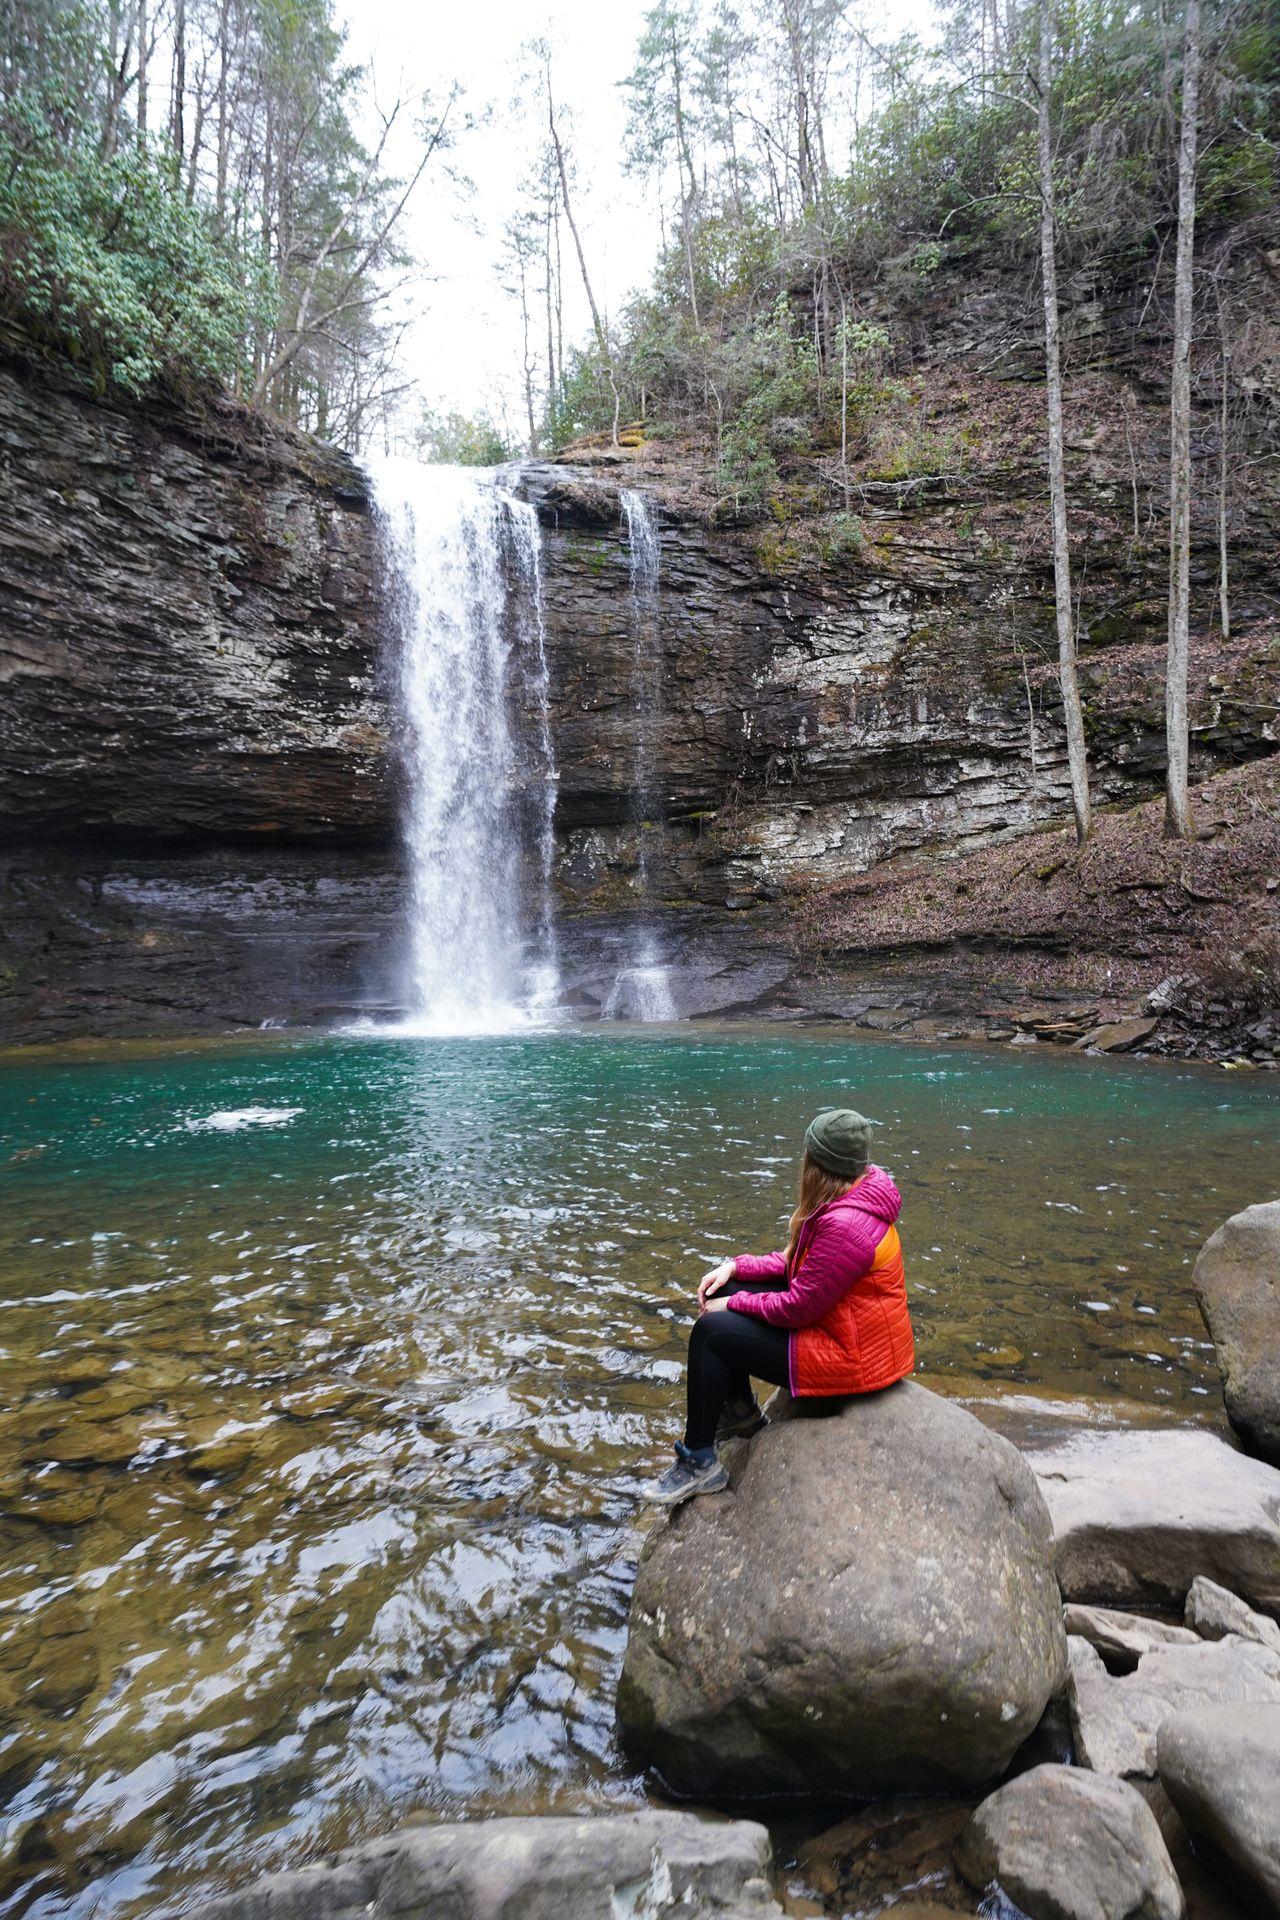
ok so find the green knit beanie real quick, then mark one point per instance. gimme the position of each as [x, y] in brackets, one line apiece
[840, 1141]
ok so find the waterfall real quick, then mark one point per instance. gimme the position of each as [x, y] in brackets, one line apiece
[642, 989]
[464, 589]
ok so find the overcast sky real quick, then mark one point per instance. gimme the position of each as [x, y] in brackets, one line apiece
[464, 342]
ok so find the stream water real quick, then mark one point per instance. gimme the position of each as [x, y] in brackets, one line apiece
[331, 1367]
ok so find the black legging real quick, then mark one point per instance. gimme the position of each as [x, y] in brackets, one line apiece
[726, 1351]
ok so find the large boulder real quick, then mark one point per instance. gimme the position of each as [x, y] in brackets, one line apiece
[1237, 1281]
[1221, 1768]
[1139, 1514]
[1063, 1844]
[1115, 1721]
[871, 1608]
[663, 1866]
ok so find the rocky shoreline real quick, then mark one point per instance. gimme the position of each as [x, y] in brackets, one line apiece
[211, 941]
[1053, 1677]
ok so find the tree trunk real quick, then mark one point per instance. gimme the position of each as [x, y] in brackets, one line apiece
[552, 381]
[1177, 817]
[1224, 425]
[143, 56]
[224, 129]
[1077, 759]
[177, 107]
[602, 339]
[527, 358]
[689, 198]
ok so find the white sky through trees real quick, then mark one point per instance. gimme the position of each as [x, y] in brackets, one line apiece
[463, 341]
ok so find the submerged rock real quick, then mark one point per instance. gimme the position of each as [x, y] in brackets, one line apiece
[597, 1867]
[1138, 1515]
[863, 1864]
[1115, 1721]
[870, 1609]
[1064, 1844]
[1237, 1282]
[1221, 1768]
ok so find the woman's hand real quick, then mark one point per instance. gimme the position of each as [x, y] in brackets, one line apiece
[712, 1282]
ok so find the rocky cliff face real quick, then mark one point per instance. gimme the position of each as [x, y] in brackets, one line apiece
[197, 767]
[187, 629]
[825, 713]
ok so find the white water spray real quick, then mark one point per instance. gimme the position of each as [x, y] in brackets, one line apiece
[464, 575]
[642, 990]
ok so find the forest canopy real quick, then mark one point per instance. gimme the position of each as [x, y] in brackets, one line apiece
[809, 174]
[184, 200]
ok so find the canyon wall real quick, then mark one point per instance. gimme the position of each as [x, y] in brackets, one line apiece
[197, 765]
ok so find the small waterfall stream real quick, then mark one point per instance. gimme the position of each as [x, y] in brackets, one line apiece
[464, 584]
[642, 990]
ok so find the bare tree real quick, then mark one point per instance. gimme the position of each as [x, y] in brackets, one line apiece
[310, 319]
[520, 248]
[1077, 758]
[562, 170]
[1177, 818]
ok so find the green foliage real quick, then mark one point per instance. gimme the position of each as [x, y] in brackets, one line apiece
[842, 537]
[742, 338]
[461, 440]
[747, 471]
[585, 399]
[915, 450]
[184, 200]
[103, 259]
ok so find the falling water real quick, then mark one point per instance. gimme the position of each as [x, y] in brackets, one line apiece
[540, 785]
[642, 990]
[465, 595]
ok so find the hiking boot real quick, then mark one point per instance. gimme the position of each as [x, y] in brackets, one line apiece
[740, 1418]
[692, 1473]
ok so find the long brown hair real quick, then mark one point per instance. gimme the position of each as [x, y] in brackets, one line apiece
[818, 1188]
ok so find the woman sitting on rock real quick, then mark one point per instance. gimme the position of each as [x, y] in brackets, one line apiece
[826, 1317]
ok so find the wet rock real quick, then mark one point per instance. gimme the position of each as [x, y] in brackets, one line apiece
[94, 1443]
[1214, 1613]
[1122, 1638]
[1115, 1721]
[1118, 1036]
[225, 1446]
[1237, 1282]
[901, 1633]
[1138, 1515]
[863, 1864]
[1221, 1768]
[54, 1663]
[74, 1371]
[323, 1400]
[1064, 1844]
[57, 1499]
[664, 1866]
